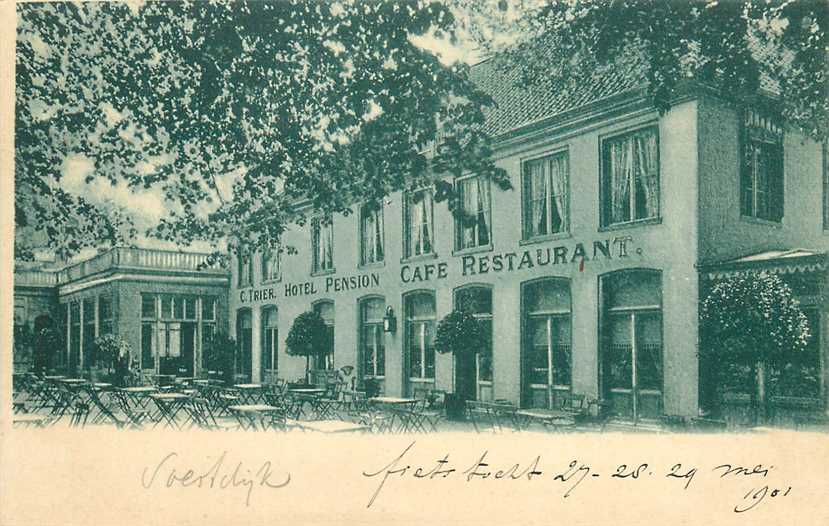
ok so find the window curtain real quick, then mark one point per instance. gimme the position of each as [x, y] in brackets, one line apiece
[621, 171]
[538, 198]
[378, 235]
[369, 236]
[469, 196]
[427, 222]
[558, 186]
[481, 185]
[647, 159]
[415, 225]
[329, 245]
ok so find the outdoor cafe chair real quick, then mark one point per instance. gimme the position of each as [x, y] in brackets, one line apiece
[201, 415]
[135, 416]
[224, 398]
[79, 415]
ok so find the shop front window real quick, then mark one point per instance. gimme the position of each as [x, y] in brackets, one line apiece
[270, 340]
[244, 342]
[326, 311]
[632, 357]
[547, 354]
[372, 338]
[420, 338]
[478, 302]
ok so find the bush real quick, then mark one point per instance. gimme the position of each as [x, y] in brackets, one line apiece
[219, 355]
[459, 332]
[308, 337]
[749, 324]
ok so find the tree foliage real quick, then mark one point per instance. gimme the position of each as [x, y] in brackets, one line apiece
[736, 46]
[236, 112]
[460, 332]
[219, 354]
[308, 336]
[751, 319]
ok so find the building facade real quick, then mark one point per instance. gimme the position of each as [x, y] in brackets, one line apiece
[588, 272]
[163, 304]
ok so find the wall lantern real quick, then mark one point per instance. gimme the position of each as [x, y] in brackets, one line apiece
[389, 321]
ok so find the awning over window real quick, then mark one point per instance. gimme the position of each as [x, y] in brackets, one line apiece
[773, 261]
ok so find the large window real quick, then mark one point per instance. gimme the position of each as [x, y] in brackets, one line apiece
[89, 354]
[632, 358]
[419, 223]
[630, 177]
[244, 341]
[174, 330]
[371, 233]
[420, 338]
[545, 184]
[326, 311]
[547, 341]
[372, 338]
[473, 226]
[271, 265]
[761, 182]
[105, 314]
[74, 335]
[270, 340]
[322, 244]
[478, 302]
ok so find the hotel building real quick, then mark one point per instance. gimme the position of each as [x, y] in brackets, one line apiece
[588, 272]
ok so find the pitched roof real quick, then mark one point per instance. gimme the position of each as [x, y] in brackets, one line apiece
[518, 105]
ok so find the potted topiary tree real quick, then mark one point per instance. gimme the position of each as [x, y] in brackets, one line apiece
[112, 352]
[749, 324]
[219, 354]
[462, 335]
[308, 337]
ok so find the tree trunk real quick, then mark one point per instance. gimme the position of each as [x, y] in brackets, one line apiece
[762, 396]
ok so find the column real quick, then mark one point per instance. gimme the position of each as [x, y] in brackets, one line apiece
[256, 344]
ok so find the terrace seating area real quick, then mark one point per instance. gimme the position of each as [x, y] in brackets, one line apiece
[169, 402]
[183, 403]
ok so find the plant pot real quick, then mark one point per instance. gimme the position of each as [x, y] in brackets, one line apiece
[455, 407]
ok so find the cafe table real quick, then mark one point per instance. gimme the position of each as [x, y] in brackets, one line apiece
[29, 420]
[72, 381]
[169, 405]
[53, 378]
[138, 396]
[332, 426]
[550, 417]
[393, 400]
[250, 393]
[253, 416]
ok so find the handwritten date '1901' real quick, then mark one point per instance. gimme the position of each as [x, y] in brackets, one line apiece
[576, 474]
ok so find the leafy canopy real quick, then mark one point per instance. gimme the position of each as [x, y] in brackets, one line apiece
[752, 318]
[308, 336]
[735, 46]
[234, 112]
[459, 332]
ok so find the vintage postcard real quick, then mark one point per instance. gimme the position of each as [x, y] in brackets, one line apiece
[404, 262]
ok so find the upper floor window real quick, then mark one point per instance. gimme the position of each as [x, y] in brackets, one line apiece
[419, 223]
[630, 177]
[473, 226]
[371, 233]
[545, 183]
[322, 244]
[761, 181]
[244, 270]
[271, 265]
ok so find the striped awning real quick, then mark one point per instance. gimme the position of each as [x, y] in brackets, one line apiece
[773, 261]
